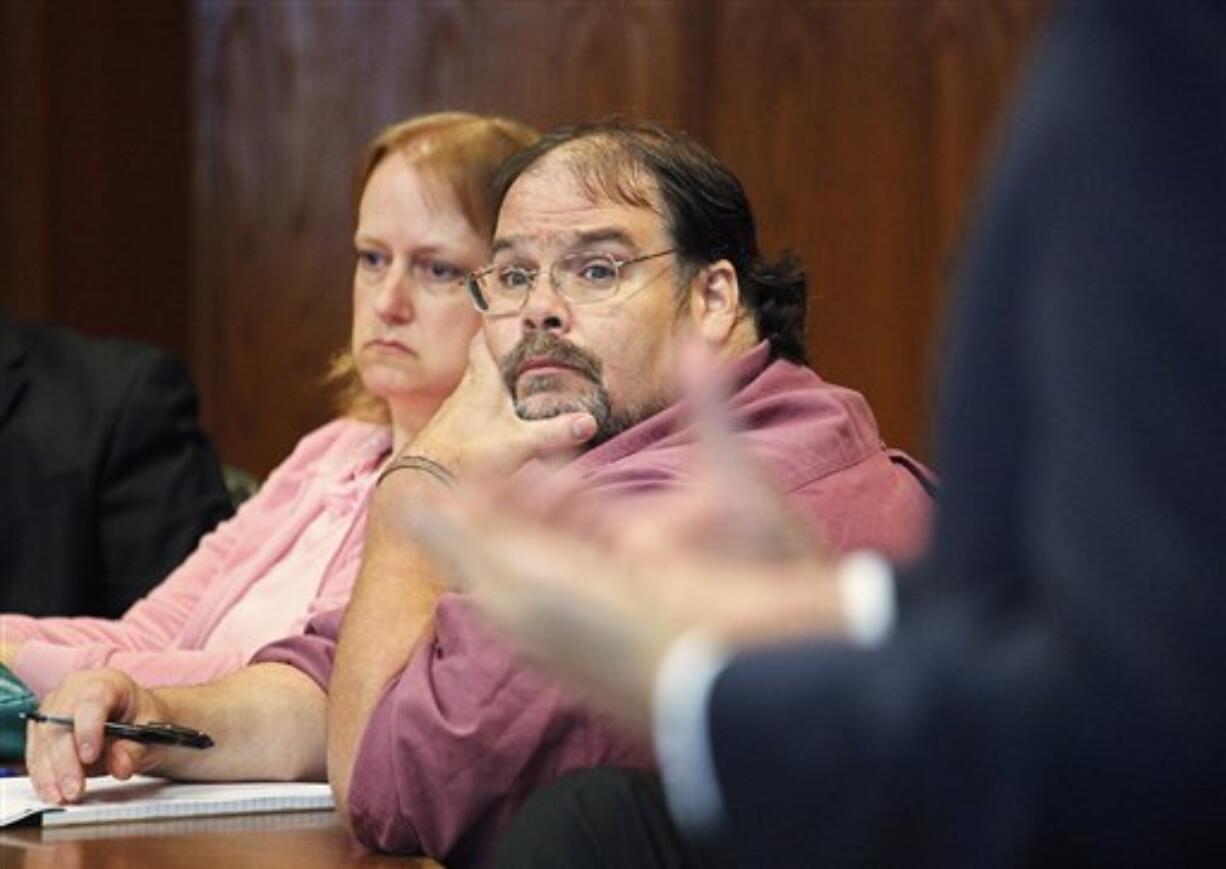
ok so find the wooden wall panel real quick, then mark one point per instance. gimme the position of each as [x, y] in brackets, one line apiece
[23, 159]
[180, 172]
[838, 163]
[94, 166]
[857, 129]
[274, 138]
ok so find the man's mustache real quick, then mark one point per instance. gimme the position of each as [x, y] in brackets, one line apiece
[546, 345]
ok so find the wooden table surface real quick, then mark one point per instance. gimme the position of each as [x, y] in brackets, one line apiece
[300, 839]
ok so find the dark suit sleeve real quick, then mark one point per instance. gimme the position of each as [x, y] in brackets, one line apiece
[1053, 693]
[160, 485]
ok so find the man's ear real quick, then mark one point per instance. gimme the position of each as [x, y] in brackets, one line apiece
[715, 302]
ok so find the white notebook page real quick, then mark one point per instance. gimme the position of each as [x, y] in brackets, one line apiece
[108, 800]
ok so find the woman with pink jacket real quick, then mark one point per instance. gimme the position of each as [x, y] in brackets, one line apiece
[424, 217]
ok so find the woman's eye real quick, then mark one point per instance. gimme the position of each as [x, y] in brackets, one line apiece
[441, 272]
[371, 260]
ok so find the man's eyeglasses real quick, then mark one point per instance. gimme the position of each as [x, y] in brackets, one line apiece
[580, 278]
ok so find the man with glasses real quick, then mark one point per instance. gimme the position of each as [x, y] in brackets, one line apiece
[1050, 688]
[614, 242]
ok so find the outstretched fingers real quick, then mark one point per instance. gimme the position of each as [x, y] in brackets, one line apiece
[735, 508]
[567, 603]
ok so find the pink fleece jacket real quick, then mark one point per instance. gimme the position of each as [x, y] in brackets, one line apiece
[291, 552]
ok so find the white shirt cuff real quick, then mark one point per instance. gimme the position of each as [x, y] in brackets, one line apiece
[679, 725]
[870, 605]
[687, 676]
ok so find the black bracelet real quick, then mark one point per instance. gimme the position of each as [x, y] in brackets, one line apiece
[419, 463]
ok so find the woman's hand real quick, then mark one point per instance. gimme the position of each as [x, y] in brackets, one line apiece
[58, 758]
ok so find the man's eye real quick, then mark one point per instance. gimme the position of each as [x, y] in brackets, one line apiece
[598, 271]
[514, 279]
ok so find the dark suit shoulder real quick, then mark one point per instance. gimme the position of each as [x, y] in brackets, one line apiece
[106, 481]
[97, 370]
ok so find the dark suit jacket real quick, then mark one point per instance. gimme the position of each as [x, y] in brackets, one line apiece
[1055, 689]
[106, 482]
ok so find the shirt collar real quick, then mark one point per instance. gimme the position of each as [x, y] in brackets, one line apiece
[739, 373]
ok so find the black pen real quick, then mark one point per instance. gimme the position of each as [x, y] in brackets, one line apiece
[155, 732]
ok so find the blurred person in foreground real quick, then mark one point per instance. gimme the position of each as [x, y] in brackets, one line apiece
[423, 214]
[1046, 686]
[106, 480]
[612, 240]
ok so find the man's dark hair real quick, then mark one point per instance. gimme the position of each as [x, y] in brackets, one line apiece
[706, 210]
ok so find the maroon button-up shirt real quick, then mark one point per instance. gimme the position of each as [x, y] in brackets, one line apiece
[467, 731]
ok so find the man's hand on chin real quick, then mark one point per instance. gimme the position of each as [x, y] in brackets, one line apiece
[477, 432]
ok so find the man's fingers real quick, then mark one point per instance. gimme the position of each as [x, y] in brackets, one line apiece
[481, 550]
[472, 553]
[725, 466]
[546, 438]
[670, 520]
[497, 554]
[451, 541]
[748, 517]
[703, 382]
[536, 489]
[564, 602]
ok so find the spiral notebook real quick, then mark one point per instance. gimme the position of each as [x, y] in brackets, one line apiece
[108, 800]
